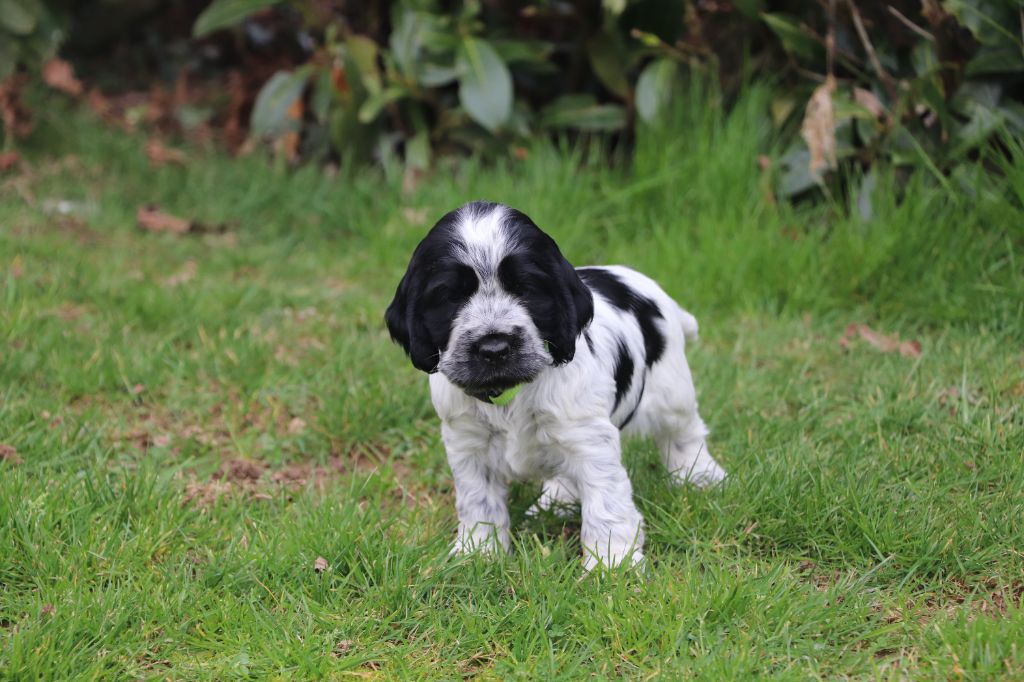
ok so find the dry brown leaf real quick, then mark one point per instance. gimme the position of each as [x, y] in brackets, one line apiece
[205, 494]
[884, 343]
[48, 610]
[162, 441]
[343, 647]
[59, 75]
[152, 219]
[870, 101]
[8, 160]
[296, 426]
[320, 565]
[185, 274]
[234, 127]
[99, 104]
[288, 144]
[819, 128]
[15, 116]
[241, 470]
[160, 155]
[9, 454]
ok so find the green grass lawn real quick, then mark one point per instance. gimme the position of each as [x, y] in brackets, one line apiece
[194, 422]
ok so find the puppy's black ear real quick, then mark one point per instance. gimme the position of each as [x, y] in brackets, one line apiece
[575, 309]
[405, 321]
[560, 304]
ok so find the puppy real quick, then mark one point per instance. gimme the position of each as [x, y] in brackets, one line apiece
[535, 369]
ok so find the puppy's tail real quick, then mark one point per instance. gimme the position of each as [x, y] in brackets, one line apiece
[689, 324]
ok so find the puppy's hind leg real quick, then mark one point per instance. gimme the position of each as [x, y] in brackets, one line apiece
[558, 496]
[685, 453]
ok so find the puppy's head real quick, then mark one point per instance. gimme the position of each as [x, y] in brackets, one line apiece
[488, 300]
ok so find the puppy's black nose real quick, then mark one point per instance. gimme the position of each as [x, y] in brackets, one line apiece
[493, 348]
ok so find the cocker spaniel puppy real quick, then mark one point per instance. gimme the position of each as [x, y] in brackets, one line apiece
[535, 369]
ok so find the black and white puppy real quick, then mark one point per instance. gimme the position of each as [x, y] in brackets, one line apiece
[535, 368]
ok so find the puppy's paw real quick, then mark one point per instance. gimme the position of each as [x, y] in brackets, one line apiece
[703, 475]
[481, 539]
[613, 558]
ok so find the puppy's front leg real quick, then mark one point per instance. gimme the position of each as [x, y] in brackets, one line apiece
[612, 529]
[481, 489]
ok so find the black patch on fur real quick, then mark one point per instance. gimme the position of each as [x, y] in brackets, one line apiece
[623, 374]
[536, 273]
[632, 413]
[616, 292]
[428, 298]
[590, 341]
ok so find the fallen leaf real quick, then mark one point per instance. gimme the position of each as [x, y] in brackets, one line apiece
[343, 647]
[137, 389]
[160, 155]
[185, 274]
[819, 128]
[288, 144]
[234, 132]
[240, 470]
[99, 104]
[152, 219]
[48, 610]
[296, 426]
[320, 565]
[886, 344]
[15, 116]
[162, 441]
[870, 101]
[59, 75]
[17, 267]
[8, 160]
[9, 454]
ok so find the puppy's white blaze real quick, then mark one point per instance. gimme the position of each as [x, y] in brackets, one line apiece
[484, 239]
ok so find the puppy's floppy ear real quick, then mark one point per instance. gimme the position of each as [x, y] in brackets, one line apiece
[563, 306]
[575, 306]
[405, 321]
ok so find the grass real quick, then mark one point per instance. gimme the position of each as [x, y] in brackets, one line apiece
[199, 419]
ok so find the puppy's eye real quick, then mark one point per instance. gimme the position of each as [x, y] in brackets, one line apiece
[437, 293]
[521, 278]
[451, 287]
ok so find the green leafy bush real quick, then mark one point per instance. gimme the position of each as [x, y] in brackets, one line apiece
[457, 80]
[917, 85]
[910, 83]
[30, 32]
